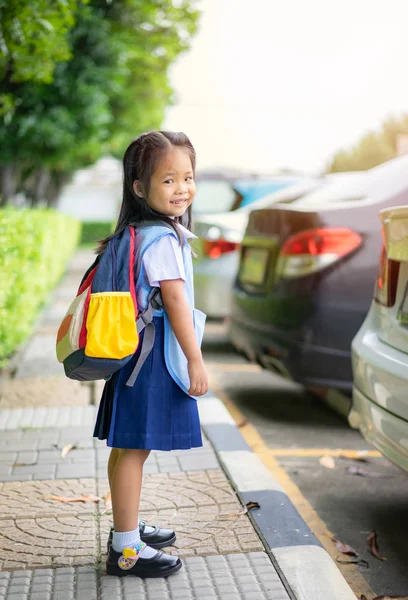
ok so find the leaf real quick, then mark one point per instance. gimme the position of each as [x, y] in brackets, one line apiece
[108, 501]
[344, 548]
[251, 505]
[223, 517]
[66, 449]
[22, 464]
[328, 462]
[247, 508]
[364, 473]
[373, 544]
[86, 498]
[354, 561]
[355, 458]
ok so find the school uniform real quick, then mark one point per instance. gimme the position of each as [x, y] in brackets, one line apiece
[156, 412]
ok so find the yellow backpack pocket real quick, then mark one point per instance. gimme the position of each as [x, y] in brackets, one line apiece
[111, 325]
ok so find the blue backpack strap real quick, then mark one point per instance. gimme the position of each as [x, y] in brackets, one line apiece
[145, 319]
[145, 322]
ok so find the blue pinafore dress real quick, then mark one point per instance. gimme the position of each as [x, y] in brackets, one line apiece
[156, 413]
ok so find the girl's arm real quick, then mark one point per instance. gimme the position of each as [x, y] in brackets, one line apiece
[181, 319]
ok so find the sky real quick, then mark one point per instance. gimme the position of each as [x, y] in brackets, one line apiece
[270, 84]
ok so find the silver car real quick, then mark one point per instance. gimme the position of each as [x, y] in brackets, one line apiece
[221, 235]
[380, 349]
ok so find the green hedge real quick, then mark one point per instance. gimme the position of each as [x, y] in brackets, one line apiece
[35, 246]
[93, 231]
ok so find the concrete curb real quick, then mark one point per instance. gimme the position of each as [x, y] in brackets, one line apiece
[306, 568]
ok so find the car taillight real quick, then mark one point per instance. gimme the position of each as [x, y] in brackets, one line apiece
[387, 279]
[215, 248]
[315, 249]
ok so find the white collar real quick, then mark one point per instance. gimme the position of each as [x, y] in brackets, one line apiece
[186, 232]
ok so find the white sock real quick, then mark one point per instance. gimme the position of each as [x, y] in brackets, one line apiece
[148, 529]
[130, 539]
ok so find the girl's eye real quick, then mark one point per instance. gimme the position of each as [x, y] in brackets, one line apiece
[190, 178]
[169, 181]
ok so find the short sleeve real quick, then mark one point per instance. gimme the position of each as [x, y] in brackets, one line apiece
[164, 260]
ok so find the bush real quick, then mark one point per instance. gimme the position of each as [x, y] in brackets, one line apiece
[34, 248]
[93, 231]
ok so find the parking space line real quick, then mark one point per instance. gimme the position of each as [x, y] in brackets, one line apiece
[316, 452]
[354, 578]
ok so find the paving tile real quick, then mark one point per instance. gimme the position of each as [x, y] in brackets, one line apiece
[47, 542]
[200, 506]
[60, 416]
[37, 588]
[33, 498]
[39, 391]
[46, 445]
[185, 585]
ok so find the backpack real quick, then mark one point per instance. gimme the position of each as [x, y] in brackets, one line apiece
[100, 331]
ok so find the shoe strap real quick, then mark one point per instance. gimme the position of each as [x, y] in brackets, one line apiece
[130, 556]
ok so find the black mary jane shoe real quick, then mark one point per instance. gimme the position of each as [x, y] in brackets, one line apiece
[159, 538]
[128, 562]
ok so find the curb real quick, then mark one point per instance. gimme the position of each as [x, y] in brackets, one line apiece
[306, 569]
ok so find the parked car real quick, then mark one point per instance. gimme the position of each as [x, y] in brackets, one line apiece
[305, 276]
[380, 348]
[229, 189]
[218, 249]
[220, 239]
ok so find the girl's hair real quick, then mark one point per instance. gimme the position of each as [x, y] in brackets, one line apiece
[139, 162]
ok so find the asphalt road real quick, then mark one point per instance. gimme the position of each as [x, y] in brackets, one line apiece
[299, 429]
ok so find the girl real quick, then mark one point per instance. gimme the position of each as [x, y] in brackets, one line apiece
[159, 411]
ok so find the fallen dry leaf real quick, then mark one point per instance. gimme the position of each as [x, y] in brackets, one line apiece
[66, 449]
[355, 458]
[344, 548]
[108, 501]
[364, 473]
[248, 507]
[353, 561]
[373, 544]
[328, 462]
[22, 464]
[87, 498]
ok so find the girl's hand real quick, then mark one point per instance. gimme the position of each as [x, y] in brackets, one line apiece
[198, 377]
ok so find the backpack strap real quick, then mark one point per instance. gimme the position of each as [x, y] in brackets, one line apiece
[145, 322]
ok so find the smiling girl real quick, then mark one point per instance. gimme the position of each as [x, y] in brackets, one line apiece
[159, 412]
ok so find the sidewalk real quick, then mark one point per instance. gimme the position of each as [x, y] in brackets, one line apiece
[52, 550]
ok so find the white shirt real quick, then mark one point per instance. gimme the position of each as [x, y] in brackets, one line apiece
[164, 259]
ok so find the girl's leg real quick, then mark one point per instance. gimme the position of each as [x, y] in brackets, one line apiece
[126, 485]
[113, 459]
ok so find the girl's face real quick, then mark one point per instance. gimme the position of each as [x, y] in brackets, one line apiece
[172, 187]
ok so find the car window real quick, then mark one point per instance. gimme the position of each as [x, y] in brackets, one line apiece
[213, 196]
[287, 195]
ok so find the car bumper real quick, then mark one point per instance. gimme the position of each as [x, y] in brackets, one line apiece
[380, 371]
[282, 353]
[213, 281]
[385, 431]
